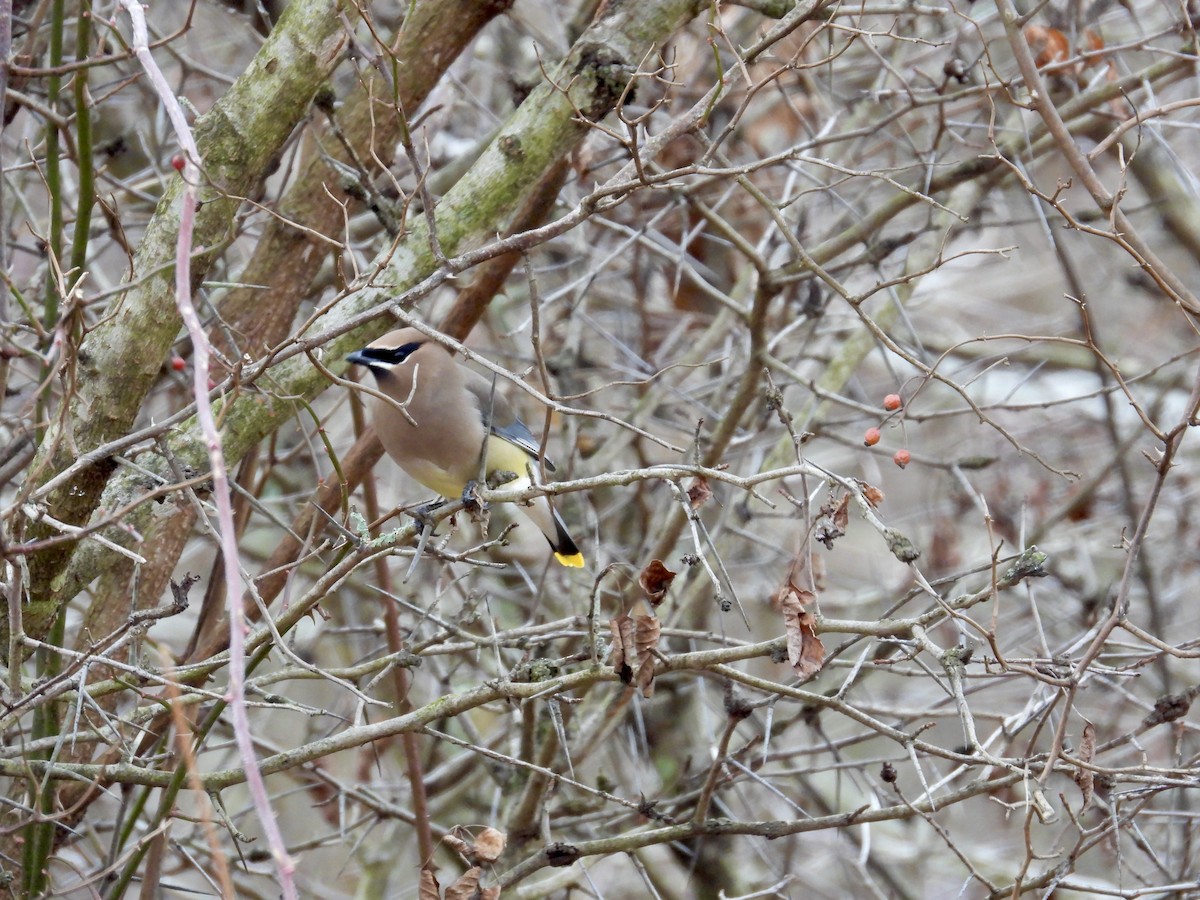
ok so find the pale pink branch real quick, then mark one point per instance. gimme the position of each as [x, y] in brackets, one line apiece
[227, 535]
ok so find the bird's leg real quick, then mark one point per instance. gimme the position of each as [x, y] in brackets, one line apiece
[470, 497]
[423, 514]
[475, 506]
[423, 517]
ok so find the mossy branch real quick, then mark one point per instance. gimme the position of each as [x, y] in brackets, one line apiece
[546, 127]
[120, 359]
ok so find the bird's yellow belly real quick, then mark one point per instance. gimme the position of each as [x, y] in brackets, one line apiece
[501, 457]
[505, 457]
[437, 479]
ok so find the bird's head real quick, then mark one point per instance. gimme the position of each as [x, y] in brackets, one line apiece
[391, 350]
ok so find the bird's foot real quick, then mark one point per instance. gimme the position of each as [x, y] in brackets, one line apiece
[423, 515]
[474, 505]
[470, 498]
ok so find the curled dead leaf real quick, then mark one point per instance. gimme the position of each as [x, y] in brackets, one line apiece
[873, 495]
[1086, 778]
[458, 845]
[467, 885]
[656, 580]
[624, 650]
[841, 515]
[489, 845]
[1049, 45]
[795, 575]
[699, 492]
[427, 886]
[806, 653]
[485, 848]
[834, 516]
[635, 638]
[647, 630]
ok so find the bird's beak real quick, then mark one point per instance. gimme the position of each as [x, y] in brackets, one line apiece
[359, 358]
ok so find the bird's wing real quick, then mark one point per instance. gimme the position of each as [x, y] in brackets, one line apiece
[499, 418]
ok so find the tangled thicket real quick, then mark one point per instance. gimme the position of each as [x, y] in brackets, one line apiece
[862, 337]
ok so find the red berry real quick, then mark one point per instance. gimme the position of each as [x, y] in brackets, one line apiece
[871, 438]
[892, 402]
[177, 162]
[178, 364]
[902, 458]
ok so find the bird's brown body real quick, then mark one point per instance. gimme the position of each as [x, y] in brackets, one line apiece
[445, 425]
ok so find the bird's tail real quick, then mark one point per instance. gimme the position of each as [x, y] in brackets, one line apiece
[564, 547]
[550, 523]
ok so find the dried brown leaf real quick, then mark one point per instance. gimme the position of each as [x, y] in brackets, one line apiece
[428, 887]
[656, 580]
[624, 650]
[1086, 778]
[699, 492]
[834, 516]
[794, 577]
[841, 515]
[873, 494]
[647, 632]
[485, 848]
[802, 596]
[1049, 45]
[459, 846]
[806, 653]
[489, 845]
[466, 886]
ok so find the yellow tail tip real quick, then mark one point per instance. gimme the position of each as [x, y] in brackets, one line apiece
[574, 561]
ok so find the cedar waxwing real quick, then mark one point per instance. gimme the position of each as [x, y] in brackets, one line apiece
[442, 420]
